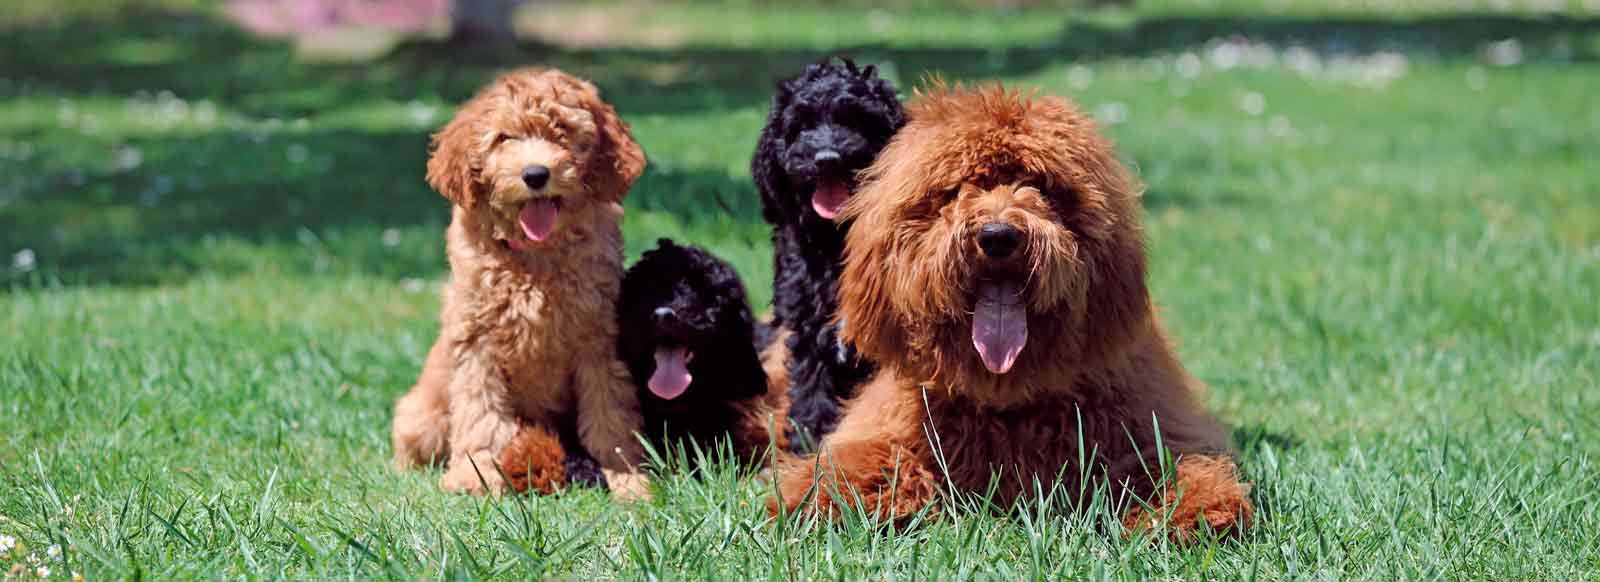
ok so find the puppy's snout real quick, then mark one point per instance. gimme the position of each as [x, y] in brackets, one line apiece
[664, 315]
[536, 176]
[826, 158]
[999, 240]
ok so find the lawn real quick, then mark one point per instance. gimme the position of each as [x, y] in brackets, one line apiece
[1376, 232]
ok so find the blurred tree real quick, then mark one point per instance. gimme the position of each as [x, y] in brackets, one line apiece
[299, 18]
[483, 21]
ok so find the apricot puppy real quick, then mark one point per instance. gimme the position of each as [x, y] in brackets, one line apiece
[536, 166]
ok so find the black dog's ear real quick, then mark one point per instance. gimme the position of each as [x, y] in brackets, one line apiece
[665, 243]
[765, 166]
[752, 378]
[884, 90]
[869, 71]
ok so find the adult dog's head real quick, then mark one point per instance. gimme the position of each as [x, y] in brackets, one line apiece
[996, 245]
[686, 329]
[534, 146]
[825, 125]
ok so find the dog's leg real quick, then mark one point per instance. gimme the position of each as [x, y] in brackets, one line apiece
[482, 421]
[812, 405]
[1206, 489]
[608, 418]
[422, 416]
[887, 478]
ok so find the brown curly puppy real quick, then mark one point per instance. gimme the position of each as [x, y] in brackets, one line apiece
[996, 272]
[536, 166]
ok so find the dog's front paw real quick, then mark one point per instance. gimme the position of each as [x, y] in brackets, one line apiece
[1208, 491]
[793, 485]
[473, 474]
[885, 480]
[628, 486]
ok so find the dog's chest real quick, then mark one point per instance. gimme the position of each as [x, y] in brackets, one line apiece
[537, 332]
[1048, 442]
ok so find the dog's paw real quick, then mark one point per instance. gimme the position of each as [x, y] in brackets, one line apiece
[463, 477]
[1208, 494]
[628, 486]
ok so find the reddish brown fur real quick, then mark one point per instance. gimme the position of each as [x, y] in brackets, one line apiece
[534, 460]
[761, 434]
[1097, 364]
[528, 329]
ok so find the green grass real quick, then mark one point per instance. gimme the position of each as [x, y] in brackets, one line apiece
[1380, 249]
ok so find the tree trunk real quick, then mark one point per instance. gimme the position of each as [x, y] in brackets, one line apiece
[482, 21]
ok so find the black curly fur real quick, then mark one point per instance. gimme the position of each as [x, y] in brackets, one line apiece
[851, 111]
[682, 296]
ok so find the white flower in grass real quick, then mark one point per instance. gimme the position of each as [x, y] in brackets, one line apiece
[1111, 113]
[54, 551]
[1253, 103]
[1189, 65]
[1505, 53]
[7, 543]
[1079, 77]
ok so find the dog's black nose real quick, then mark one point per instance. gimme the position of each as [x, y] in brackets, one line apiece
[536, 176]
[664, 315]
[826, 158]
[998, 239]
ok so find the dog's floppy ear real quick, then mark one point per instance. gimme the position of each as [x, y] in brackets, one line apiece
[866, 300]
[765, 167]
[618, 160]
[1085, 174]
[457, 157]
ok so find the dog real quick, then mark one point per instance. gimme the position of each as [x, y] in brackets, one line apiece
[692, 346]
[996, 273]
[825, 125]
[536, 166]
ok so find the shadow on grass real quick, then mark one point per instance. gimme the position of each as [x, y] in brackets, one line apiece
[160, 222]
[349, 202]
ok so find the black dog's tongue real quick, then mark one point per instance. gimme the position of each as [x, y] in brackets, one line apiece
[999, 325]
[829, 197]
[671, 377]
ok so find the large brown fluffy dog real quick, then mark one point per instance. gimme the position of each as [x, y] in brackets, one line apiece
[536, 166]
[996, 272]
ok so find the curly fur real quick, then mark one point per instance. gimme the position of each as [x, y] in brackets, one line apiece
[850, 111]
[1096, 365]
[528, 328]
[683, 297]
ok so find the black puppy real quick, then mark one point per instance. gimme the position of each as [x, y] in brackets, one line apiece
[691, 344]
[825, 125]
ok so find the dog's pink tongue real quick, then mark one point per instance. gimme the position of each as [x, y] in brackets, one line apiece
[999, 325]
[671, 377]
[538, 218]
[829, 197]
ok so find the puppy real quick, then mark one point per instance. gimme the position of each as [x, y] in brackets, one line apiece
[996, 272]
[825, 125]
[536, 166]
[690, 342]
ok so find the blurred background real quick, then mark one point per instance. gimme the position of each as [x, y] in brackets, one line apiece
[144, 141]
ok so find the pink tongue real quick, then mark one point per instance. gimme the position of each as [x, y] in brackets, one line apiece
[829, 197]
[999, 325]
[538, 218]
[671, 377]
